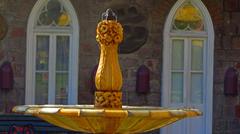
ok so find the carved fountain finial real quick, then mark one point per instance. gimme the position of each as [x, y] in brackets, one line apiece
[108, 78]
[109, 15]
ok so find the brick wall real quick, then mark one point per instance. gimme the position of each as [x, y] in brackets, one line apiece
[225, 15]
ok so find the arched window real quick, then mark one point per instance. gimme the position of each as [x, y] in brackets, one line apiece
[188, 64]
[188, 18]
[52, 53]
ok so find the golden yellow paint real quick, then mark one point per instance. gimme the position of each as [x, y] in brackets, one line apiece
[108, 116]
[188, 13]
[86, 118]
[64, 19]
[108, 78]
[108, 75]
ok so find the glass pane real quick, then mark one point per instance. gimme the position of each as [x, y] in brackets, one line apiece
[54, 14]
[188, 18]
[197, 55]
[197, 88]
[61, 88]
[62, 58]
[44, 19]
[42, 53]
[64, 19]
[41, 92]
[177, 54]
[53, 9]
[177, 88]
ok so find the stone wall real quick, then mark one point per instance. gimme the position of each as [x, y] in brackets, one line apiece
[225, 15]
[149, 54]
[13, 49]
[227, 44]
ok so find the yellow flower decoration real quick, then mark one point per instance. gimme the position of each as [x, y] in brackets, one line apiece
[118, 38]
[109, 32]
[108, 38]
[103, 28]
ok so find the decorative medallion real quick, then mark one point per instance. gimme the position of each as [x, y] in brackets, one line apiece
[134, 21]
[3, 27]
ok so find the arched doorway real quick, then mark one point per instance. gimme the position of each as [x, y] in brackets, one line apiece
[187, 79]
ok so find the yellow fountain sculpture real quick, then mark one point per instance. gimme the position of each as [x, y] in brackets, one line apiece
[108, 115]
[108, 76]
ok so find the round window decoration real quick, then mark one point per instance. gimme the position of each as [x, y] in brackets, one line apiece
[134, 19]
[3, 27]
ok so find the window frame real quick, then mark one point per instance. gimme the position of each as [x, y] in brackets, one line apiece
[32, 31]
[52, 62]
[187, 70]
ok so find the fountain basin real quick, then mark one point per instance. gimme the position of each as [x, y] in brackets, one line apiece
[128, 119]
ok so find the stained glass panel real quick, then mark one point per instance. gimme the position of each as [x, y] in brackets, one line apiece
[42, 53]
[177, 54]
[177, 88]
[197, 55]
[44, 19]
[54, 14]
[188, 18]
[61, 88]
[41, 88]
[53, 9]
[197, 88]
[62, 58]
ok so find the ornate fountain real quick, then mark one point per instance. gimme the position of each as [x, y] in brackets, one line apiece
[108, 115]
